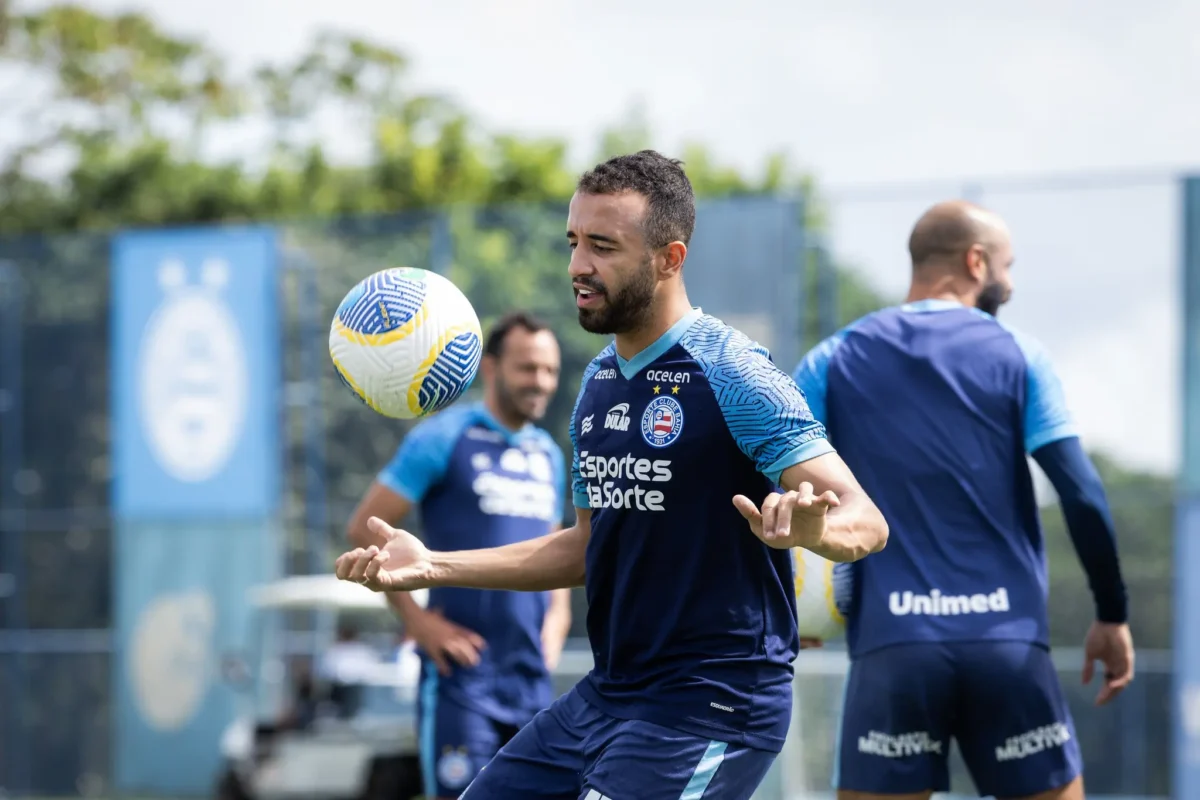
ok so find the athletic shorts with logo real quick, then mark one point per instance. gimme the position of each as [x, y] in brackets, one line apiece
[1001, 701]
[574, 751]
[455, 742]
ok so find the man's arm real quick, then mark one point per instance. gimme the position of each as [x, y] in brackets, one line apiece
[556, 626]
[554, 561]
[824, 508]
[1089, 523]
[853, 527]
[1053, 441]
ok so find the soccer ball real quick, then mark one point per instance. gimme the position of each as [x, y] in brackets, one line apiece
[823, 592]
[406, 341]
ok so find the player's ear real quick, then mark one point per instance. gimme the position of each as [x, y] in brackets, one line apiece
[487, 367]
[672, 258]
[976, 263]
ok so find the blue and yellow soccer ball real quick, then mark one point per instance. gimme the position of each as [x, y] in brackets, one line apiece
[406, 341]
[823, 595]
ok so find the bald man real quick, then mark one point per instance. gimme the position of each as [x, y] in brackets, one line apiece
[934, 405]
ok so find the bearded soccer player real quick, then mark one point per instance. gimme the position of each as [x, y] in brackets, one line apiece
[482, 475]
[934, 404]
[682, 426]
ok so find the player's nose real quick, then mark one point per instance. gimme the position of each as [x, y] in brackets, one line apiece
[579, 266]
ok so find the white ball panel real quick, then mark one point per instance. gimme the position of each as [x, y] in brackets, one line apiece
[816, 613]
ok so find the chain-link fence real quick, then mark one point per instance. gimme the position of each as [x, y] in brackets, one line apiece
[1096, 271]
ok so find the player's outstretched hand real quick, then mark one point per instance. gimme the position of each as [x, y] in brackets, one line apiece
[401, 565]
[1112, 645]
[791, 519]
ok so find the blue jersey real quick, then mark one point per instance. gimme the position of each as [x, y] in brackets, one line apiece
[479, 485]
[934, 406]
[692, 619]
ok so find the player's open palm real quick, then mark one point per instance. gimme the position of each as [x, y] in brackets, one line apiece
[1112, 646]
[791, 519]
[402, 564]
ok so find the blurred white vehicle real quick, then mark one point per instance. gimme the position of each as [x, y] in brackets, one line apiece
[301, 736]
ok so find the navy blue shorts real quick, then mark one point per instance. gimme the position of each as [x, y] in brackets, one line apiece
[573, 751]
[1001, 701]
[455, 742]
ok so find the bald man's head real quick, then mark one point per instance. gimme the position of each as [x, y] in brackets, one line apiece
[961, 241]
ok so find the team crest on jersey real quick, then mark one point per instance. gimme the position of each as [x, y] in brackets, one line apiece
[454, 769]
[662, 422]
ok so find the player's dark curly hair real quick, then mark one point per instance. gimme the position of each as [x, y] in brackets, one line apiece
[494, 343]
[671, 216]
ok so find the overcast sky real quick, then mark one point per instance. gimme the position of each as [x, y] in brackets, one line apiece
[860, 93]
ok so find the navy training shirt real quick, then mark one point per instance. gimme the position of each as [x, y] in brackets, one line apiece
[692, 620]
[934, 407]
[479, 484]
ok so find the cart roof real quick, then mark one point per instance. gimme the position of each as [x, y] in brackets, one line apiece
[322, 592]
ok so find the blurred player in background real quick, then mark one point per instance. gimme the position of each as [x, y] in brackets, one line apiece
[483, 476]
[692, 621]
[934, 405]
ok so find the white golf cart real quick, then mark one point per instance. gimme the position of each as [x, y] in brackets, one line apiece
[352, 740]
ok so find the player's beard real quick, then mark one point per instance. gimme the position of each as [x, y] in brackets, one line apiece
[626, 309]
[510, 406]
[993, 294]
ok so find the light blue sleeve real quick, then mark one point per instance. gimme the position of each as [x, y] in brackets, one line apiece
[763, 408]
[1047, 418]
[421, 461]
[812, 375]
[578, 487]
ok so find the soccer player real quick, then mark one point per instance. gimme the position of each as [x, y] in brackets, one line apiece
[482, 475]
[934, 404]
[680, 426]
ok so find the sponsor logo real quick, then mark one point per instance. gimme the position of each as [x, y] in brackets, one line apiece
[1033, 742]
[605, 374]
[503, 496]
[898, 745]
[611, 476]
[937, 604]
[664, 376]
[662, 421]
[617, 418]
[585, 425]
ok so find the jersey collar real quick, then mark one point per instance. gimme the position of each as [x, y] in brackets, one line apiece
[661, 345]
[931, 304]
[485, 418]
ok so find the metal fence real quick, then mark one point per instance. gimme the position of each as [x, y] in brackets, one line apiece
[1096, 272]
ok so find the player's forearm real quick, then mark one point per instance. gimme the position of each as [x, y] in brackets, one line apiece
[404, 605]
[557, 622]
[1089, 523]
[554, 561]
[853, 530]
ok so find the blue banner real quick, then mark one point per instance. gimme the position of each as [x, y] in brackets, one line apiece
[196, 373]
[1186, 783]
[197, 463]
[181, 607]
